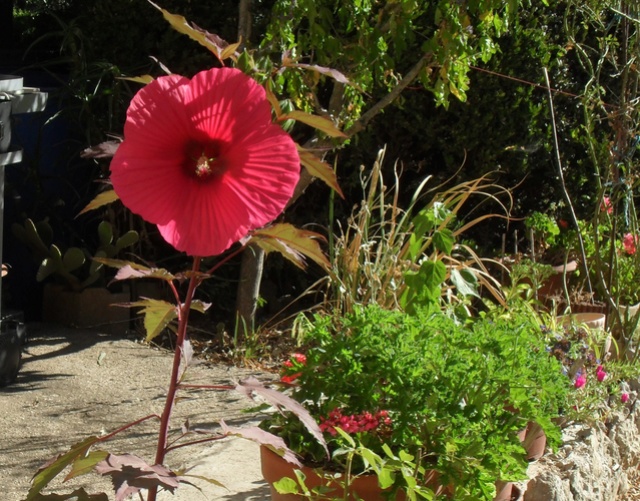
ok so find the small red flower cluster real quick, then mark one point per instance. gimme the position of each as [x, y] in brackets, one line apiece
[600, 373]
[354, 423]
[296, 360]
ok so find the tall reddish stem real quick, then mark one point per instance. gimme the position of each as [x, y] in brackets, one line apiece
[183, 320]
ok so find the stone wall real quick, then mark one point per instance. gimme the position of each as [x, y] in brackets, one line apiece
[593, 463]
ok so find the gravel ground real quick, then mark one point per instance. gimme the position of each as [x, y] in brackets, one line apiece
[78, 383]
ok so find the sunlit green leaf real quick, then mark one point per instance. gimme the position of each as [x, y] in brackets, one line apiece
[320, 169]
[465, 281]
[50, 470]
[85, 464]
[103, 198]
[293, 243]
[317, 122]
[157, 315]
[143, 79]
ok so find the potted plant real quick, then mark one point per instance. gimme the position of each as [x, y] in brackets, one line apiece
[449, 398]
[77, 293]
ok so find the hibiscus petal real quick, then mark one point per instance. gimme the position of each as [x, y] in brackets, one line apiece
[202, 160]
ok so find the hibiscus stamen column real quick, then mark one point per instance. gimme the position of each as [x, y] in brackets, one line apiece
[165, 419]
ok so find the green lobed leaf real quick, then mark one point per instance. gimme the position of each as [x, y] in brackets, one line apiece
[158, 315]
[103, 198]
[86, 464]
[317, 122]
[51, 469]
[73, 259]
[46, 269]
[130, 238]
[105, 233]
[287, 485]
[443, 240]
[293, 243]
[320, 169]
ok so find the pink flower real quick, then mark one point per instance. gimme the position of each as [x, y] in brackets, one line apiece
[629, 242]
[202, 160]
[606, 205]
[624, 398]
[601, 374]
[580, 381]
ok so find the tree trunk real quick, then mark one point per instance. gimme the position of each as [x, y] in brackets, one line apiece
[244, 22]
[251, 268]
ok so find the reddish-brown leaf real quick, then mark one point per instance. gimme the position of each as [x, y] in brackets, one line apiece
[321, 170]
[130, 474]
[330, 72]
[103, 150]
[252, 387]
[317, 122]
[275, 443]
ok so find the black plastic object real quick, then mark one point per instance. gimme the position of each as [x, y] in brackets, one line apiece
[13, 335]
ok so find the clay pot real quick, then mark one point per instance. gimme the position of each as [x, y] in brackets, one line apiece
[534, 441]
[507, 491]
[275, 468]
[553, 285]
[591, 320]
[363, 488]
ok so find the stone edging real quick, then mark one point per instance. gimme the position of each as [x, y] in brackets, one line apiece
[593, 464]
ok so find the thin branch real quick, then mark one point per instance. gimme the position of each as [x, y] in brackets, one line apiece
[208, 386]
[389, 98]
[126, 427]
[194, 442]
[565, 191]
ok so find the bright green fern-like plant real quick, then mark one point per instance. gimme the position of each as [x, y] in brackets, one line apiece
[453, 396]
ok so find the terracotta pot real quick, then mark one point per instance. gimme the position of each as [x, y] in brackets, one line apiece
[275, 468]
[534, 441]
[363, 488]
[588, 307]
[507, 491]
[553, 285]
[89, 308]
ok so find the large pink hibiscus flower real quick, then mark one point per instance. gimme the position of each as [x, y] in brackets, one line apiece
[202, 160]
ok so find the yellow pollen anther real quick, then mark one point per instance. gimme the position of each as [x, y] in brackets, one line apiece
[203, 166]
